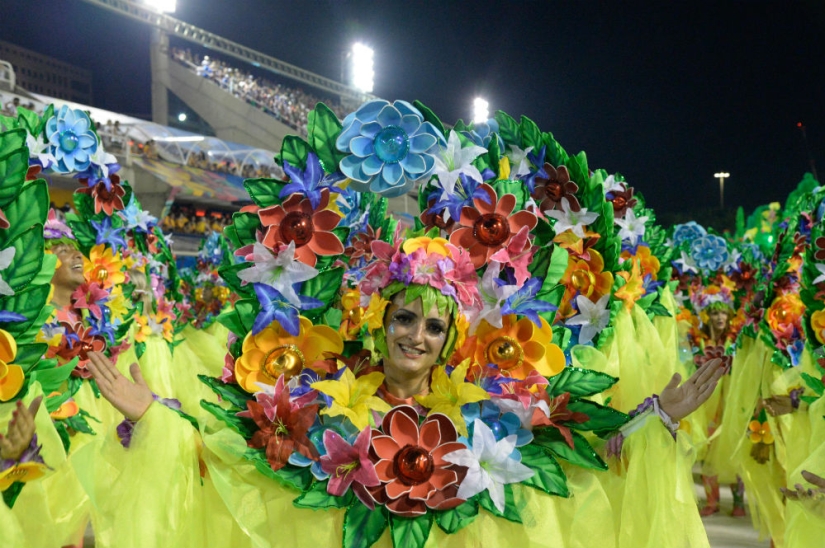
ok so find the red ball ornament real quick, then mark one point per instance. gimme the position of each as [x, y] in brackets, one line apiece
[297, 227]
[413, 465]
[491, 230]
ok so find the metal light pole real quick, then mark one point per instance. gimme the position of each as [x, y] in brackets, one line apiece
[722, 175]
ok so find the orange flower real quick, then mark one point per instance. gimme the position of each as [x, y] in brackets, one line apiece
[23, 472]
[650, 263]
[274, 352]
[518, 348]
[634, 289]
[11, 376]
[104, 267]
[785, 315]
[67, 409]
[353, 314]
[584, 278]
[577, 247]
[818, 325]
[760, 432]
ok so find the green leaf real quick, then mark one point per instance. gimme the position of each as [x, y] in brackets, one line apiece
[264, 192]
[579, 173]
[246, 224]
[324, 287]
[243, 426]
[318, 498]
[410, 532]
[508, 129]
[295, 151]
[429, 116]
[556, 155]
[232, 393]
[84, 234]
[362, 526]
[229, 274]
[582, 454]
[10, 495]
[557, 267]
[494, 154]
[29, 354]
[29, 120]
[813, 383]
[552, 295]
[459, 517]
[549, 476]
[323, 129]
[140, 348]
[601, 417]
[29, 303]
[13, 169]
[80, 424]
[232, 322]
[510, 513]
[530, 134]
[293, 477]
[516, 188]
[52, 377]
[579, 382]
[29, 208]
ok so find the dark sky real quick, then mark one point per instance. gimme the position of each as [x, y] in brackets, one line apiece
[666, 93]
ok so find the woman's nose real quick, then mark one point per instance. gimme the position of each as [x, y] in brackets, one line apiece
[417, 332]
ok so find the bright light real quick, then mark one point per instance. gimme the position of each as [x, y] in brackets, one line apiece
[182, 117]
[362, 71]
[721, 175]
[481, 110]
[163, 6]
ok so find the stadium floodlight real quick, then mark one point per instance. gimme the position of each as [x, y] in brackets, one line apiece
[362, 67]
[182, 117]
[722, 175]
[163, 6]
[480, 110]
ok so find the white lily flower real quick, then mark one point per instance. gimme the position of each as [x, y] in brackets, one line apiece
[821, 277]
[40, 150]
[593, 317]
[686, 264]
[454, 160]
[632, 228]
[574, 221]
[493, 296]
[489, 465]
[6, 257]
[280, 272]
[102, 159]
[520, 165]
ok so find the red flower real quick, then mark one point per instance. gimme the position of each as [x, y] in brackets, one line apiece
[33, 171]
[711, 353]
[410, 462]
[106, 199]
[430, 219]
[90, 296]
[77, 342]
[361, 244]
[489, 227]
[4, 222]
[559, 413]
[557, 185]
[745, 278]
[296, 221]
[622, 200]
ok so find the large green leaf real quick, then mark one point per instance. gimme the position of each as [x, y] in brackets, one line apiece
[451, 521]
[557, 267]
[232, 393]
[601, 417]
[508, 129]
[246, 224]
[510, 513]
[13, 167]
[243, 426]
[317, 498]
[264, 192]
[582, 454]
[294, 477]
[516, 188]
[50, 378]
[295, 151]
[577, 166]
[29, 354]
[579, 382]
[429, 116]
[410, 532]
[324, 287]
[362, 526]
[30, 207]
[323, 129]
[27, 259]
[29, 303]
[530, 134]
[549, 476]
[230, 276]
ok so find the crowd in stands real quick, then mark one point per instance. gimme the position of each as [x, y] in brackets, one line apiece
[186, 219]
[289, 105]
[201, 160]
[10, 106]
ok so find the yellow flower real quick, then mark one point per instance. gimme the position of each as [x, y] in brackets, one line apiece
[374, 315]
[818, 325]
[354, 398]
[448, 394]
[352, 320]
[143, 328]
[760, 432]
[634, 289]
[430, 245]
[104, 267]
[504, 168]
[11, 376]
[118, 306]
[517, 348]
[462, 327]
[23, 472]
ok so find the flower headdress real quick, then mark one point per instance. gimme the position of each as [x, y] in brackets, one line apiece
[57, 232]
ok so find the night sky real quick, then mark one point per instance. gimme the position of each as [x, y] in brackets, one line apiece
[665, 94]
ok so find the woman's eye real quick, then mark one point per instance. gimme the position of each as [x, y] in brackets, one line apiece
[435, 328]
[403, 318]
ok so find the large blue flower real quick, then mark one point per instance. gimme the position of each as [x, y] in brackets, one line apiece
[390, 147]
[709, 252]
[71, 139]
[481, 133]
[687, 232]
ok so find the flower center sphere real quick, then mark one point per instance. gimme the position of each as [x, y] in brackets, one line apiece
[297, 227]
[69, 141]
[504, 350]
[413, 465]
[391, 144]
[287, 360]
[583, 281]
[491, 230]
[100, 274]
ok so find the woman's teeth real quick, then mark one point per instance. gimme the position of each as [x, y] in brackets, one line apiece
[410, 350]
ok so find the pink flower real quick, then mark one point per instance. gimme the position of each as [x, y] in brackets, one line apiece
[349, 465]
[518, 254]
[90, 296]
[228, 374]
[463, 277]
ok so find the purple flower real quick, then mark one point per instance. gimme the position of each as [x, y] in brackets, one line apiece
[101, 327]
[538, 161]
[309, 182]
[108, 234]
[466, 189]
[525, 302]
[275, 307]
[349, 465]
[31, 454]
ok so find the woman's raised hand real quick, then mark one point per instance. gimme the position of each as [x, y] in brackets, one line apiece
[130, 398]
[21, 430]
[680, 401]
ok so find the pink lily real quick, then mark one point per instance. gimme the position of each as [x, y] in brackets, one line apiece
[349, 465]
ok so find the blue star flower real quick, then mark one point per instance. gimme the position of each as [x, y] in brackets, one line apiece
[101, 327]
[525, 302]
[390, 147]
[709, 252]
[136, 218]
[538, 162]
[108, 234]
[71, 139]
[465, 191]
[275, 307]
[481, 133]
[309, 182]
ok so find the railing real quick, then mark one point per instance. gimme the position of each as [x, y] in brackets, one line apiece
[178, 28]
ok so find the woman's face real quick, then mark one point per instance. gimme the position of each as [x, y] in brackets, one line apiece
[70, 273]
[414, 339]
[719, 320]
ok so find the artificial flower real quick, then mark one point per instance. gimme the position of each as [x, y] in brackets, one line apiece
[91, 296]
[519, 162]
[760, 432]
[81, 341]
[280, 271]
[374, 315]
[584, 277]
[685, 264]
[633, 289]
[490, 465]
[309, 228]
[493, 295]
[273, 352]
[353, 398]
[136, 218]
[107, 193]
[553, 186]
[518, 347]
[576, 246]
[517, 254]
[687, 232]
[558, 415]
[502, 424]
[6, 258]
[389, 147]
[104, 266]
[525, 302]
[349, 465]
[632, 228]
[709, 252]
[449, 393]
[105, 233]
[481, 133]
[818, 325]
[410, 462]
[489, 226]
[455, 160]
[309, 182]
[118, 305]
[620, 195]
[568, 219]
[649, 262]
[445, 209]
[71, 139]
[592, 317]
[11, 376]
[784, 316]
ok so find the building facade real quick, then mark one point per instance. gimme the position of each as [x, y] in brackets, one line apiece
[42, 74]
